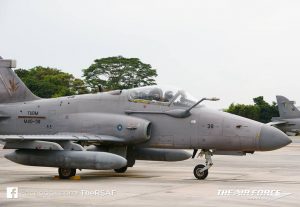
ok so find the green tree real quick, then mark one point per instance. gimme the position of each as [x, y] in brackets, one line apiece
[248, 111]
[78, 86]
[267, 111]
[261, 110]
[119, 73]
[48, 82]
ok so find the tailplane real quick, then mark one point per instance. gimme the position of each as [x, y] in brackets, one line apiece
[287, 108]
[12, 88]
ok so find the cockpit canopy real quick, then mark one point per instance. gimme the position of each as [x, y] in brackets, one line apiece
[161, 95]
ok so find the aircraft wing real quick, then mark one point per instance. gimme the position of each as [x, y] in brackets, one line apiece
[277, 123]
[62, 137]
[56, 141]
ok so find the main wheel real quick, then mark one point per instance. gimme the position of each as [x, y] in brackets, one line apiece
[121, 170]
[200, 175]
[65, 173]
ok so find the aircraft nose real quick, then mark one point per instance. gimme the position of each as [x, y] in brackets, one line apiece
[272, 138]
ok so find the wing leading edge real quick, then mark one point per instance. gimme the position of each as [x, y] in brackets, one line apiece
[57, 141]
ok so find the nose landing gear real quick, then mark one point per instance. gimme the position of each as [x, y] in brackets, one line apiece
[201, 171]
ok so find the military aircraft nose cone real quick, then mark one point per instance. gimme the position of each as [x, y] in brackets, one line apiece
[272, 138]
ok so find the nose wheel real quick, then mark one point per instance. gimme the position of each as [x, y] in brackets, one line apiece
[201, 171]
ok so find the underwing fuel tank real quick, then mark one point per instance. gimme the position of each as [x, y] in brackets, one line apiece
[170, 155]
[68, 159]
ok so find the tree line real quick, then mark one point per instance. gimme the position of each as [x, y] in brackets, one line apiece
[119, 73]
[260, 111]
[111, 73]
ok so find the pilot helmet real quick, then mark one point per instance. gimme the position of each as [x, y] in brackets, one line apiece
[169, 95]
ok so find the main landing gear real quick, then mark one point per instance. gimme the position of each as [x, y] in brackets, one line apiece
[201, 171]
[121, 170]
[65, 173]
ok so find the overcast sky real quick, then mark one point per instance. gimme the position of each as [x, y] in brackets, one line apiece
[235, 50]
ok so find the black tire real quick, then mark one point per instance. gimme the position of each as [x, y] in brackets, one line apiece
[73, 172]
[202, 175]
[65, 173]
[121, 170]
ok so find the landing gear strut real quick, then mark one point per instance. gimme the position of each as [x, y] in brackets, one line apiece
[201, 171]
[65, 173]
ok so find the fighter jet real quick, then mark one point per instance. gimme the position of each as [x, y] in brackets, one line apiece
[111, 130]
[289, 120]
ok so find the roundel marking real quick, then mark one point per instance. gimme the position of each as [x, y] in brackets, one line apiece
[119, 127]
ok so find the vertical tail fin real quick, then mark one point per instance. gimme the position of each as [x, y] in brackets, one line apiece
[287, 108]
[12, 89]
